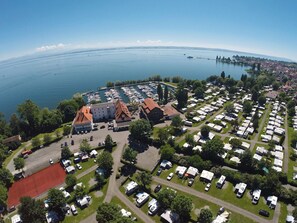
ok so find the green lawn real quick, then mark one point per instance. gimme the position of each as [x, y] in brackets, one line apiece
[292, 163]
[82, 214]
[225, 194]
[283, 213]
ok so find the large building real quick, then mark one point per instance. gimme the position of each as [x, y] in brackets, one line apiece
[83, 120]
[122, 113]
[103, 111]
[151, 111]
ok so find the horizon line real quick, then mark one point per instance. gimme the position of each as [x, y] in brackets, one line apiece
[82, 49]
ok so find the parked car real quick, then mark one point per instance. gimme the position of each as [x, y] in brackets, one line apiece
[73, 210]
[191, 182]
[72, 142]
[157, 188]
[170, 176]
[76, 160]
[102, 126]
[159, 171]
[264, 213]
[78, 166]
[51, 161]
[91, 138]
[207, 187]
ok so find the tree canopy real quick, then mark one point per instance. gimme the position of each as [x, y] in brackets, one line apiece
[182, 205]
[31, 210]
[205, 131]
[144, 178]
[167, 152]
[130, 155]
[107, 212]
[70, 180]
[205, 216]
[65, 152]
[108, 142]
[166, 197]
[140, 130]
[177, 122]
[105, 161]
[56, 199]
[85, 146]
[19, 163]
[212, 149]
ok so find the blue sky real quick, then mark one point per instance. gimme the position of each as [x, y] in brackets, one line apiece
[258, 26]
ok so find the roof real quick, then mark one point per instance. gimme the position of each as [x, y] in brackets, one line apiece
[16, 218]
[170, 111]
[83, 116]
[122, 112]
[16, 138]
[149, 104]
[207, 175]
[170, 216]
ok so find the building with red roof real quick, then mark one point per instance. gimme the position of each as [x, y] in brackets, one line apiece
[83, 120]
[122, 113]
[151, 111]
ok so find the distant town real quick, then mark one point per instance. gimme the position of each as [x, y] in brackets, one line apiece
[165, 149]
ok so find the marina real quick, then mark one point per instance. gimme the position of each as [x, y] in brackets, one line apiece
[135, 93]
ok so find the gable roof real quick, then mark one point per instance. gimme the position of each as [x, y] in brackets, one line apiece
[149, 104]
[122, 111]
[83, 116]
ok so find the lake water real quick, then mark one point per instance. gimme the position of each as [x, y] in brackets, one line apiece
[49, 79]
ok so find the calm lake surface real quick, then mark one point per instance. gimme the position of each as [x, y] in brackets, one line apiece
[48, 79]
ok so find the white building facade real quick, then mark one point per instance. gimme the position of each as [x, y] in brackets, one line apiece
[103, 111]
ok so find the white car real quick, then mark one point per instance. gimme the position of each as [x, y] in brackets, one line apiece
[170, 176]
[51, 161]
[73, 209]
[78, 166]
[207, 187]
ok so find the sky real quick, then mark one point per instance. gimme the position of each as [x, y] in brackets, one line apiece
[258, 26]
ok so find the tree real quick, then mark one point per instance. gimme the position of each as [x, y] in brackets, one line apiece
[3, 195]
[105, 161]
[182, 205]
[223, 74]
[229, 109]
[144, 178]
[235, 142]
[166, 197]
[181, 95]
[167, 152]
[29, 114]
[163, 135]
[19, 163]
[80, 192]
[65, 152]
[247, 107]
[205, 216]
[255, 95]
[294, 139]
[166, 94]
[140, 130]
[205, 131]
[197, 162]
[36, 142]
[100, 180]
[14, 124]
[123, 219]
[275, 85]
[107, 212]
[70, 180]
[212, 149]
[47, 138]
[5, 177]
[256, 121]
[189, 139]
[66, 130]
[108, 142]
[160, 92]
[291, 112]
[56, 199]
[84, 146]
[31, 210]
[262, 100]
[247, 163]
[130, 155]
[199, 92]
[177, 122]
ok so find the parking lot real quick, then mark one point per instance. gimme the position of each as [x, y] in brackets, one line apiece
[40, 158]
